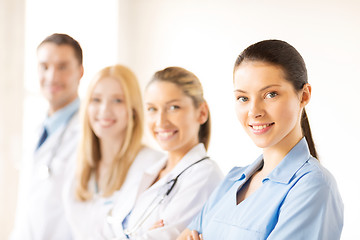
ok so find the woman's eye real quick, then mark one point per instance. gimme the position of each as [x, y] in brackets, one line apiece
[95, 99]
[173, 107]
[118, 100]
[151, 109]
[242, 99]
[271, 95]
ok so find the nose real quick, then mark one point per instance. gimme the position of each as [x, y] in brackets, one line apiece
[161, 118]
[104, 107]
[256, 109]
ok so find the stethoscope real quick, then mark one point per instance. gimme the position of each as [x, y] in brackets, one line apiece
[157, 201]
[44, 171]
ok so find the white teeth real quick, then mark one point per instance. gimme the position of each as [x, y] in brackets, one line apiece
[259, 127]
[106, 123]
[165, 134]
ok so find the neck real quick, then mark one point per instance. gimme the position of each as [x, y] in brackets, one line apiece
[174, 157]
[275, 154]
[56, 107]
[109, 148]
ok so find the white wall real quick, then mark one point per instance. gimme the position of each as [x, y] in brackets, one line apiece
[11, 105]
[206, 36]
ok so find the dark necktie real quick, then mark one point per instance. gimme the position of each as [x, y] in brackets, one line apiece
[42, 138]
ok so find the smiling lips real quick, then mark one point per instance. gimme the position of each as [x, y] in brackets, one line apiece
[165, 134]
[259, 129]
[105, 123]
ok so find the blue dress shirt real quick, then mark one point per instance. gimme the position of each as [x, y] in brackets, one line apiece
[61, 117]
[299, 199]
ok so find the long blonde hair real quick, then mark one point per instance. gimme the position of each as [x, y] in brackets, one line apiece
[89, 154]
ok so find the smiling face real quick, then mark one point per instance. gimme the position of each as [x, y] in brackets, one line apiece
[60, 73]
[107, 111]
[267, 105]
[172, 117]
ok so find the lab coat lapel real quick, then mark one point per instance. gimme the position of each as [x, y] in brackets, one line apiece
[45, 151]
[150, 175]
[43, 154]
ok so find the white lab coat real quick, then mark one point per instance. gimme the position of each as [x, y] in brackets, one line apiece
[40, 212]
[87, 218]
[191, 191]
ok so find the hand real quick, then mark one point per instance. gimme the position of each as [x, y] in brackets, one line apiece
[190, 235]
[158, 224]
[195, 236]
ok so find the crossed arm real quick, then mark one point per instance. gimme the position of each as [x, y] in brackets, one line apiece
[187, 234]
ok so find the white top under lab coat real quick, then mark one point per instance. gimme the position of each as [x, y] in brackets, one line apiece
[40, 212]
[87, 218]
[191, 191]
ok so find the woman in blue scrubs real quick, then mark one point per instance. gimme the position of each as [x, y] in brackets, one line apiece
[286, 193]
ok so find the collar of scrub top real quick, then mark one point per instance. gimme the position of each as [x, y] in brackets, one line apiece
[61, 117]
[285, 170]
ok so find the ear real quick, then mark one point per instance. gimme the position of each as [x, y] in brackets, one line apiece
[306, 95]
[203, 113]
[81, 72]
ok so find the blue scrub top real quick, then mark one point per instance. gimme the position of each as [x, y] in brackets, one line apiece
[299, 199]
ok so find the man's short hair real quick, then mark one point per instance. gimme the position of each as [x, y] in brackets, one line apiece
[64, 39]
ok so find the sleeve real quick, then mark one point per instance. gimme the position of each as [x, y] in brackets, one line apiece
[313, 209]
[196, 223]
[193, 190]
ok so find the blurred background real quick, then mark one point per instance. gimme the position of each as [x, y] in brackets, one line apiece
[205, 37]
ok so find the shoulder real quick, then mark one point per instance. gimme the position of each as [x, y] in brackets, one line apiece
[145, 158]
[207, 168]
[314, 174]
[313, 182]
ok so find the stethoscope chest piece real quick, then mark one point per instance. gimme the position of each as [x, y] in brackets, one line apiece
[44, 171]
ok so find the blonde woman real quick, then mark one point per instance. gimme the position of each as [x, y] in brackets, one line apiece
[174, 189]
[111, 155]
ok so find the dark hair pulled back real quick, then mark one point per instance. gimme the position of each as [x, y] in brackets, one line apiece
[282, 54]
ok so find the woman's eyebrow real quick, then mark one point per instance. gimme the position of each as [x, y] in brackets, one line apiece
[262, 89]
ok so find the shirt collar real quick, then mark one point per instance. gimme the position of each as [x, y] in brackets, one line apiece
[249, 170]
[291, 163]
[286, 169]
[61, 116]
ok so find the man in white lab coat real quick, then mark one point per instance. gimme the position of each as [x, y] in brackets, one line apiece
[40, 213]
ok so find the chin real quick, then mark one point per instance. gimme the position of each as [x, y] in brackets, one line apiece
[261, 143]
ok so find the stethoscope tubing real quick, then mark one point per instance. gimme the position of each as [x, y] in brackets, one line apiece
[147, 213]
